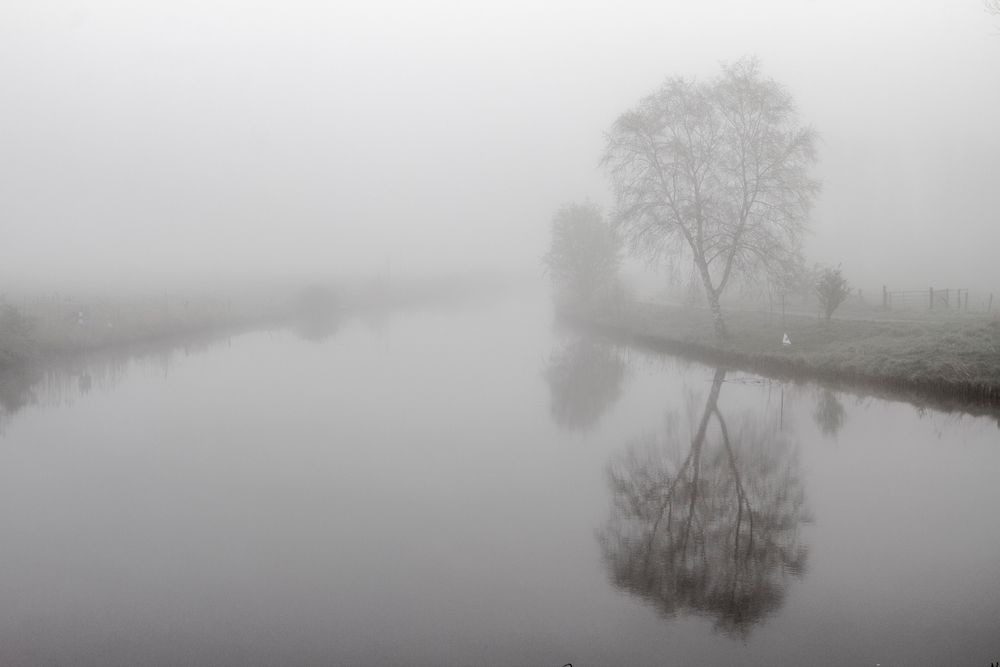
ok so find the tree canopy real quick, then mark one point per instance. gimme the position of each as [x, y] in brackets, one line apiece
[585, 253]
[716, 172]
[831, 289]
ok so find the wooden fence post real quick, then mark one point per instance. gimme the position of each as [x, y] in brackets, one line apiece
[885, 298]
[931, 300]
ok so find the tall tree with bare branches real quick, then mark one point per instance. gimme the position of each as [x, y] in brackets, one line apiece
[716, 171]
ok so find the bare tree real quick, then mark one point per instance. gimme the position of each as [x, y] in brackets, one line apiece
[832, 290]
[992, 6]
[717, 172]
[585, 253]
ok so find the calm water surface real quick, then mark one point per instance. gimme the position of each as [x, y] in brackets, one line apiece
[480, 487]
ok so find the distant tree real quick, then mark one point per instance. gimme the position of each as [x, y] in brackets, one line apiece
[832, 290]
[317, 298]
[717, 172]
[585, 253]
[791, 280]
[805, 282]
[318, 311]
[992, 6]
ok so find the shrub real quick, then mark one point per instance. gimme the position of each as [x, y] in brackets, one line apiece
[832, 290]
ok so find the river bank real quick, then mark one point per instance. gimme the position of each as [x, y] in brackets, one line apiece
[46, 328]
[946, 362]
[43, 326]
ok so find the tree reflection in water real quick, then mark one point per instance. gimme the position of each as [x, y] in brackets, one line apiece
[585, 379]
[16, 389]
[62, 381]
[317, 327]
[712, 530]
[830, 414]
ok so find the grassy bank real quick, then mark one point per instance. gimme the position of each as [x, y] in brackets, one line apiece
[58, 328]
[33, 329]
[50, 325]
[950, 362]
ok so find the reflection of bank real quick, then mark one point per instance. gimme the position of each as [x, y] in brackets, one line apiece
[64, 378]
[317, 327]
[17, 383]
[585, 379]
[712, 528]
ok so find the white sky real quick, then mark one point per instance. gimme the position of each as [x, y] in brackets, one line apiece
[146, 141]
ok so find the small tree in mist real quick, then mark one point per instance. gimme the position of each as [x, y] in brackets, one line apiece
[584, 255]
[715, 172]
[832, 290]
[792, 280]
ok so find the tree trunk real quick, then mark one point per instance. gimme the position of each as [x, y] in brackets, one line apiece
[713, 300]
[720, 326]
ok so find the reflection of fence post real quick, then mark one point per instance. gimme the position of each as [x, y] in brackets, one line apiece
[931, 301]
[885, 298]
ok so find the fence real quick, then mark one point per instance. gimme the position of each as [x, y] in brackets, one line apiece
[933, 299]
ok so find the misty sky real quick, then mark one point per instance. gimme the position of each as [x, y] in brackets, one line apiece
[207, 139]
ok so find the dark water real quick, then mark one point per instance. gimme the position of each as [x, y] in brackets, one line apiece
[479, 487]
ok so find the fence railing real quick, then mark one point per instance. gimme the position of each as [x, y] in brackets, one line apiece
[954, 299]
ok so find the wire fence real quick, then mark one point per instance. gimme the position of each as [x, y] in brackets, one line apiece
[946, 299]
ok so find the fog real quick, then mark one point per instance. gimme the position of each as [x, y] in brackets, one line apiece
[402, 333]
[207, 141]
